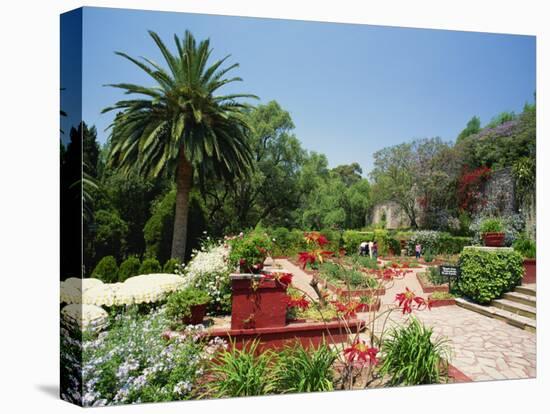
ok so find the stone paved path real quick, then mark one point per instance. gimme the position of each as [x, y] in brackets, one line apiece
[482, 348]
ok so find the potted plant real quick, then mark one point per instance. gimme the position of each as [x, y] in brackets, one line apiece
[528, 250]
[249, 252]
[492, 231]
[187, 306]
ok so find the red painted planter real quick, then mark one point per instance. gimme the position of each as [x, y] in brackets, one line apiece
[430, 288]
[493, 239]
[309, 334]
[257, 302]
[437, 303]
[530, 271]
[197, 315]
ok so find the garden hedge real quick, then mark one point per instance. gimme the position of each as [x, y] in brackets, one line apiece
[437, 242]
[487, 274]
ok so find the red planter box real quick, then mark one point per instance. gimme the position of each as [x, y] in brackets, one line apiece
[530, 271]
[436, 303]
[257, 302]
[431, 289]
[309, 334]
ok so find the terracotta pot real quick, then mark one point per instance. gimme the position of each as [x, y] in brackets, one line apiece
[197, 315]
[530, 270]
[493, 239]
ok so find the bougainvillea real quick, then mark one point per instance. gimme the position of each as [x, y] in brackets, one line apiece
[469, 188]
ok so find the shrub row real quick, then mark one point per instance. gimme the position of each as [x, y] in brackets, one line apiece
[108, 271]
[437, 242]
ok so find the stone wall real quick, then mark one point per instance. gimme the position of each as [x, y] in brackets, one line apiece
[499, 193]
[392, 213]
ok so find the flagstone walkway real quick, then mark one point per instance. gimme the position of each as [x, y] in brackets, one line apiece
[482, 348]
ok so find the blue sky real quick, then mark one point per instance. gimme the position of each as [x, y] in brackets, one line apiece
[350, 89]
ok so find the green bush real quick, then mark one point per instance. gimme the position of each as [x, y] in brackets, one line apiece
[394, 246]
[447, 244]
[128, 268]
[304, 370]
[106, 270]
[411, 358]
[333, 237]
[428, 256]
[526, 247]
[491, 225]
[486, 275]
[286, 242]
[252, 249]
[149, 266]
[353, 238]
[381, 237]
[171, 266]
[179, 303]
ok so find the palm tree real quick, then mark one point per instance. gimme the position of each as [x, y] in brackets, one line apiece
[179, 126]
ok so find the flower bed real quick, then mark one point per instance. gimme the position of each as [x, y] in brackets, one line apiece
[439, 299]
[428, 287]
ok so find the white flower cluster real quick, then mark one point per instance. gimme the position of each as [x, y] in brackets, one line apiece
[85, 316]
[209, 270]
[138, 289]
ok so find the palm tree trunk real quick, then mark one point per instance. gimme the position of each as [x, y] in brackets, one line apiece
[184, 180]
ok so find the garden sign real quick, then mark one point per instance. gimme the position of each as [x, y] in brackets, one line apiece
[452, 272]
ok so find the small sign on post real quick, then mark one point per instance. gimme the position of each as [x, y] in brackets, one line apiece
[452, 272]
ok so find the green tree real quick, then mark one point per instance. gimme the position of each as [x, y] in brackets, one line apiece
[472, 127]
[350, 174]
[180, 126]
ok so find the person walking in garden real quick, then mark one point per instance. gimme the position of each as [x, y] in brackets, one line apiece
[418, 250]
[370, 248]
[374, 250]
[363, 248]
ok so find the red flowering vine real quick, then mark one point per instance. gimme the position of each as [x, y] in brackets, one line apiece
[469, 187]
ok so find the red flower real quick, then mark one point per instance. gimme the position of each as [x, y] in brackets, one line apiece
[359, 351]
[301, 302]
[306, 257]
[394, 265]
[348, 309]
[405, 265]
[408, 299]
[283, 278]
[315, 237]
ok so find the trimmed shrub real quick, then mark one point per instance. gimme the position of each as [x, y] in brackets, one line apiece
[353, 238]
[128, 268]
[382, 238]
[149, 266]
[448, 244]
[171, 266]
[486, 275]
[106, 270]
[286, 242]
[394, 246]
